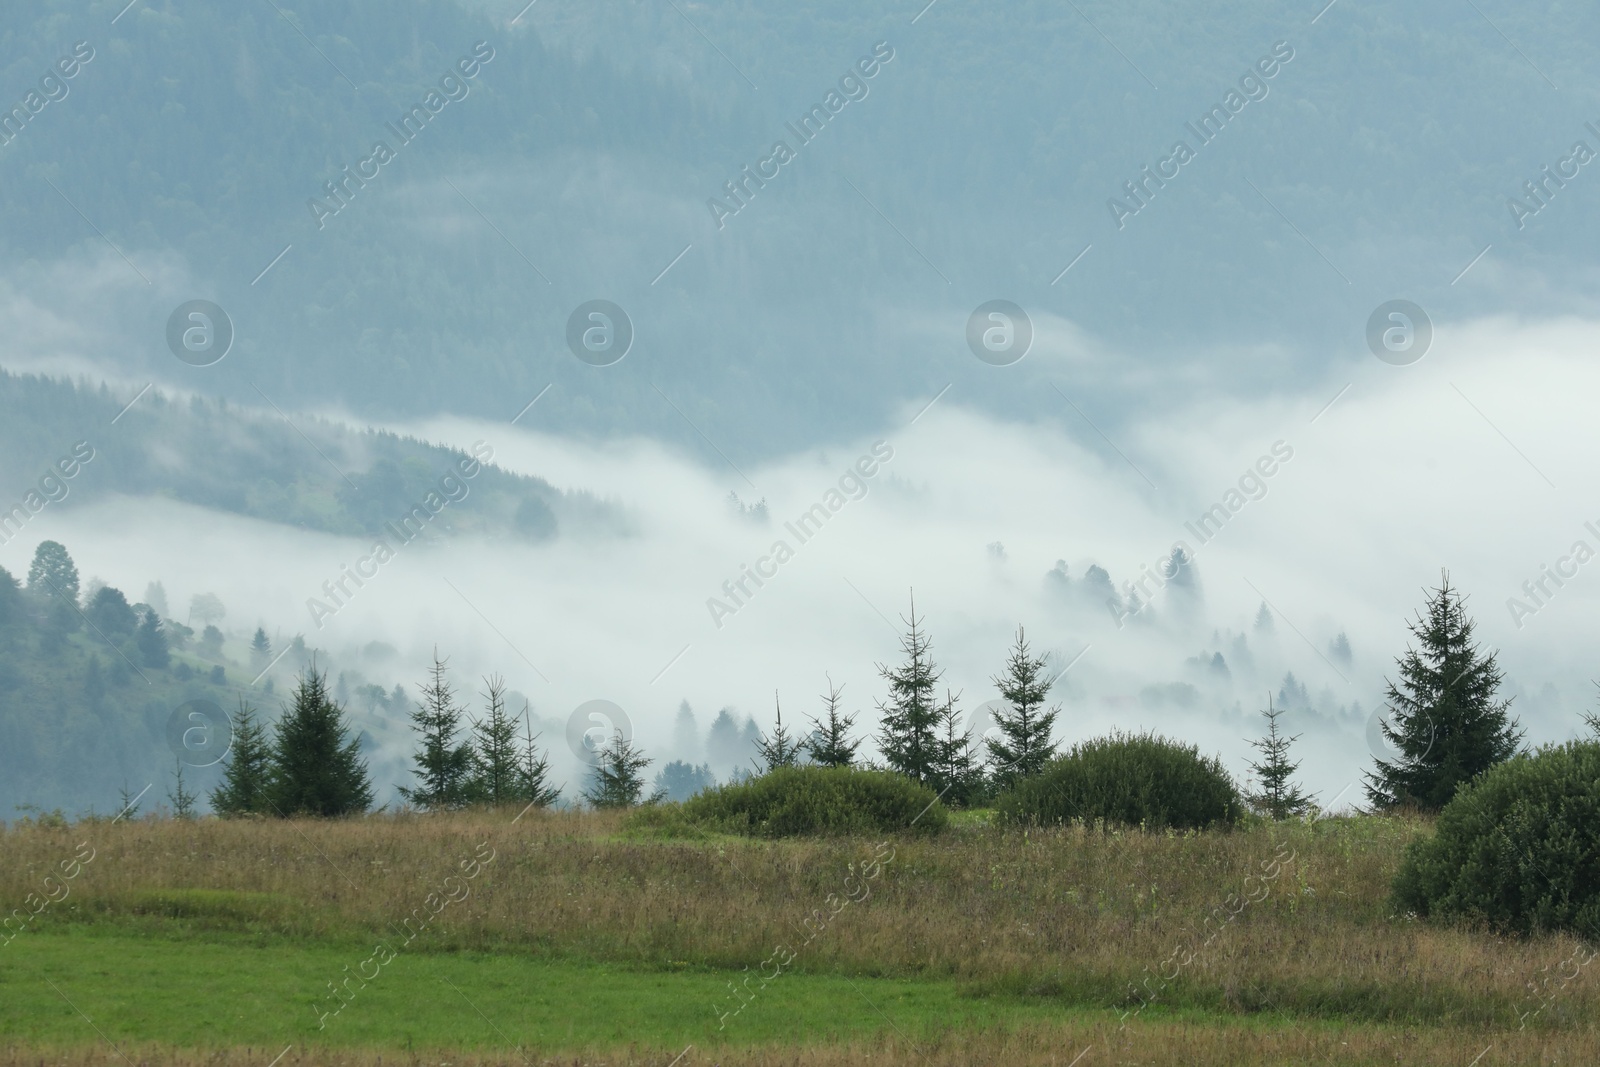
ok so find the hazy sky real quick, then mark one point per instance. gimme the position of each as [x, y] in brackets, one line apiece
[1351, 323]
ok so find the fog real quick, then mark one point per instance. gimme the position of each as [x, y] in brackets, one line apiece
[1473, 459]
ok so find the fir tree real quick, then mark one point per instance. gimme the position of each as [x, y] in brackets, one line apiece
[317, 767]
[907, 733]
[1279, 798]
[1024, 746]
[686, 733]
[248, 774]
[128, 802]
[957, 773]
[152, 641]
[533, 773]
[182, 799]
[1592, 720]
[443, 766]
[260, 649]
[679, 780]
[496, 761]
[722, 739]
[1444, 720]
[617, 781]
[829, 744]
[779, 750]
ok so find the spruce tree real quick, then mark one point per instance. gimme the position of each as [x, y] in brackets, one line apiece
[443, 766]
[1279, 798]
[1024, 746]
[1444, 719]
[152, 641]
[722, 740]
[182, 799]
[617, 781]
[260, 649]
[317, 767]
[829, 744]
[246, 777]
[496, 761]
[907, 734]
[957, 773]
[778, 750]
[686, 733]
[534, 769]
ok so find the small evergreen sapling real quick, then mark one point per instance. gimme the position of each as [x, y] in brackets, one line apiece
[534, 771]
[618, 781]
[957, 774]
[907, 734]
[245, 778]
[778, 750]
[1024, 746]
[443, 765]
[1279, 798]
[829, 744]
[496, 761]
[182, 799]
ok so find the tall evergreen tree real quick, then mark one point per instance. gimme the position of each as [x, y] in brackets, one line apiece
[443, 766]
[317, 767]
[495, 758]
[1444, 720]
[152, 641]
[1024, 746]
[1279, 797]
[53, 573]
[779, 750]
[533, 785]
[248, 774]
[829, 744]
[722, 740]
[618, 781]
[907, 733]
[686, 733]
[957, 772]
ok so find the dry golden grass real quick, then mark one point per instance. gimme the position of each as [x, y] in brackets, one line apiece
[1061, 913]
[1166, 1043]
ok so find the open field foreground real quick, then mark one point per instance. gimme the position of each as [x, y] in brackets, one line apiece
[565, 937]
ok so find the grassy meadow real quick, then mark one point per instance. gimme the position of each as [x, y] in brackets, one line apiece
[579, 937]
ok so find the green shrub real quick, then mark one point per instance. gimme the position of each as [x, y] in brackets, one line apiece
[1137, 780]
[791, 801]
[1518, 848]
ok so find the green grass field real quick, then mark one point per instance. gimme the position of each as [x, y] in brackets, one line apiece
[216, 942]
[219, 991]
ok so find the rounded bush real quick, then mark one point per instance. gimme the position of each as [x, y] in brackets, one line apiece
[792, 801]
[1131, 779]
[1517, 848]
